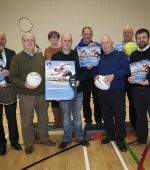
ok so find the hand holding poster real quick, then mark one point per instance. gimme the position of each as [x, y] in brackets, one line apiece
[60, 80]
[89, 55]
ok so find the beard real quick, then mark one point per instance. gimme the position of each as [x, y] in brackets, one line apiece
[142, 44]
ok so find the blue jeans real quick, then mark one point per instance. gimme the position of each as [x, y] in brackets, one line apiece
[73, 108]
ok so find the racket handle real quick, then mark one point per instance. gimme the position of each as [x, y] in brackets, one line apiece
[37, 46]
[38, 49]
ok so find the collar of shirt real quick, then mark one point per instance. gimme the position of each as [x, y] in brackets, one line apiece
[29, 53]
[110, 52]
[86, 42]
[144, 48]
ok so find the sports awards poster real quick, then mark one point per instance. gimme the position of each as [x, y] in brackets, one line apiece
[89, 55]
[60, 80]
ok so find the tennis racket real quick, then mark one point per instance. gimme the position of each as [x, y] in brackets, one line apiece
[8, 94]
[25, 25]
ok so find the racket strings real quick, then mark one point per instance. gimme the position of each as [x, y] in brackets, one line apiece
[25, 24]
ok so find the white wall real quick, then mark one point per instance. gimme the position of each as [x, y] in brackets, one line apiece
[104, 16]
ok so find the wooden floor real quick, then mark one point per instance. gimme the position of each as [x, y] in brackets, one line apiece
[100, 157]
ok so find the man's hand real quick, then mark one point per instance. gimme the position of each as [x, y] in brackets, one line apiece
[92, 44]
[109, 78]
[5, 72]
[28, 86]
[89, 67]
[143, 83]
[77, 83]
[96, 77]
[130, 80]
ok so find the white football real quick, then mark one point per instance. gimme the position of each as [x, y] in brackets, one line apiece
[34, 79]
[100, 83]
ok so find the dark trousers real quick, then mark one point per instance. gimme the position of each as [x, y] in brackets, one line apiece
[10, 111]
[113, 109]
[54, 103]
[88, 89]
[141, 98]
[132, 111]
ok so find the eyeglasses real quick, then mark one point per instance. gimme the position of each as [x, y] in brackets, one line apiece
[28, 40]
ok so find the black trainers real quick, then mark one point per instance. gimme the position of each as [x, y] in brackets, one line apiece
[88, 126]
[3, 150]
[122, 147]
[84, 142]
[63, 144]
[106, 140]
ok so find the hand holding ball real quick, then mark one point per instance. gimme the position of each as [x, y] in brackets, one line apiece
[130, 47]
[34, 79]
[101, 83]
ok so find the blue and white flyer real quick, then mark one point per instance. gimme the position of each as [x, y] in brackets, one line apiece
[89, 55]
[139, 70]
[60, 80]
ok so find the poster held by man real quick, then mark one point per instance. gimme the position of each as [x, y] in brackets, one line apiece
[60, 80]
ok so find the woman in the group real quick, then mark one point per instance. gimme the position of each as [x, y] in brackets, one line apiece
[54, 47]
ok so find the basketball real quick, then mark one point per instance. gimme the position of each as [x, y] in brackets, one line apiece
[34, 79]
[101, 84]
[130, 47]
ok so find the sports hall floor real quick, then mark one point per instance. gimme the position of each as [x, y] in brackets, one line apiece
[75, 157]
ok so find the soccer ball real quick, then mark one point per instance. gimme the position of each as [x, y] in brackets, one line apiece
[100, 83]
[34, 79]
[130, 47]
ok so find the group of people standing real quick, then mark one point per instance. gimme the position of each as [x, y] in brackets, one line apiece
[109, 105]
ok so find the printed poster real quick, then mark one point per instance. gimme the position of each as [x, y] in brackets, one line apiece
[89, 55]
[60, 80]
[139, 70]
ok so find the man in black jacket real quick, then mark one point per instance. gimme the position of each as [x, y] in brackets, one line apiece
[72, 107]
[141, 89]
[10, 110]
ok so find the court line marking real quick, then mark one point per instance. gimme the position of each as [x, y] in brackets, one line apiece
[143, 157]
[133, 154]
[87, 164]
[50, 156]
[119, 156]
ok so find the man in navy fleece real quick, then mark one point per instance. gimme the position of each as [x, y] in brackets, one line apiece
[88, 85]
[114, 66]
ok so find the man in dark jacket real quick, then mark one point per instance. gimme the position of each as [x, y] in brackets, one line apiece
[141, 89]
[72, 107]
[88, 86]
[10, 110]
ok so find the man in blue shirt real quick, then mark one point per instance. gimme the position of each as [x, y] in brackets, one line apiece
[128, 37]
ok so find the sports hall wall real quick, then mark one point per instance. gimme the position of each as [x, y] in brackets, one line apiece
[104, 16]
